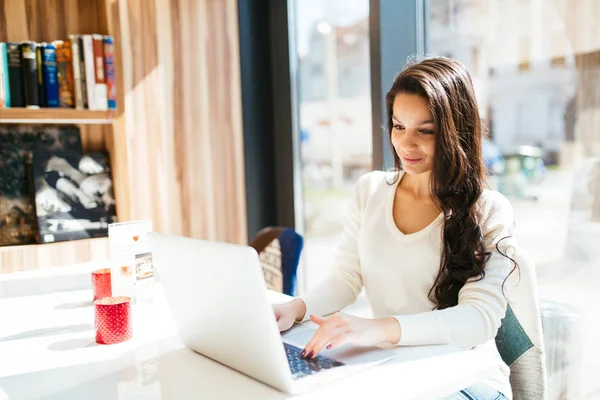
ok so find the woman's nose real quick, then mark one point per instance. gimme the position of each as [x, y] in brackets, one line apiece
[408, 140]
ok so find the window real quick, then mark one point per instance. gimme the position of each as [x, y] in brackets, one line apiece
[524, 54]
[332, 39]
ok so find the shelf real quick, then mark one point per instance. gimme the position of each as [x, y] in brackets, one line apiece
[54, 116]
[36, 256]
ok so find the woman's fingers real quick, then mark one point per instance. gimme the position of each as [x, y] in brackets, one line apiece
[338, 341]
[284, 317]
[327, 331]
[308, 350]
[333, 335]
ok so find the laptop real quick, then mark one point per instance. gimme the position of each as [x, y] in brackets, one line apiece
[219, 301]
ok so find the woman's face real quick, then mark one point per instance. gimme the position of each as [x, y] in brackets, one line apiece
[413, 133]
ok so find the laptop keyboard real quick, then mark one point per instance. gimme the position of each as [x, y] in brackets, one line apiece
[302, 367]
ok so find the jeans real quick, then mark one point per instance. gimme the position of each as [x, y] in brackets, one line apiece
[479, 391]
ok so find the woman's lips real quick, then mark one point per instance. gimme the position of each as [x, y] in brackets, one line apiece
[410, 161]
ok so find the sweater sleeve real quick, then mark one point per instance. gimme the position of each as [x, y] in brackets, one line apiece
[344, 283]
[481, 303]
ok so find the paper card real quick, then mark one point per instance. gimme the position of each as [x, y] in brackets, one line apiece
[129, 240]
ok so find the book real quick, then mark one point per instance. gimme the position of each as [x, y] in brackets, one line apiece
[109, 70]
[90, 74]
[39, 59]
[30, 76]
[74, 196]
[50, 72]
[100, 89]
[64, 63]
[4, 86]
[82, 72]
[77, 86]
[18, 223]
[15, 74]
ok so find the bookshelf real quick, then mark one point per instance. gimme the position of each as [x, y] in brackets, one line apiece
[176, 143]
[100, 130]
[54, 116]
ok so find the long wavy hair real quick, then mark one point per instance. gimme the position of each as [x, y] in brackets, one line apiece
[458, 176]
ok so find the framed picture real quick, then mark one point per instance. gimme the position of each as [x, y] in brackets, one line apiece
[17, 215]
[18, 223]
[74, 197]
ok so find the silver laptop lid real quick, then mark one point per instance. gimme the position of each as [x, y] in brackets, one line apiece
[218, 298]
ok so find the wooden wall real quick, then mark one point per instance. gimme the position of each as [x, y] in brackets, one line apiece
[180, 61]
[47, 20]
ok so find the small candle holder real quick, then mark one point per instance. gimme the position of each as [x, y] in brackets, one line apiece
[101, 283]
[113, 319]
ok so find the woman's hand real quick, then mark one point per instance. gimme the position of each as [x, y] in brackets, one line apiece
[288, 313]
[341, 329]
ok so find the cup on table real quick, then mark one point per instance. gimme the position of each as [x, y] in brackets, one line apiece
[112, 319]
[101, 283]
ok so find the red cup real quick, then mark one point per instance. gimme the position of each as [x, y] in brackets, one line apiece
[113, 319]
[101, 285]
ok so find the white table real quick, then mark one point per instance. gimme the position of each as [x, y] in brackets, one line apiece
[47, 351]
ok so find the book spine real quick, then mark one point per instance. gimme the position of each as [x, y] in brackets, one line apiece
[50, 75]
[4, 83]
[64, 62]
[76, 71]
[90, 79]
[29, 65]
[39, 59]
[109, 69]
[100, 89]
[15, 75]
[82, 72]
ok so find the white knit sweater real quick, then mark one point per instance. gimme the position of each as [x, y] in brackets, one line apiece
[397, 271]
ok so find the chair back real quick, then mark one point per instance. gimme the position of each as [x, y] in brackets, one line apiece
[279, 251]
[520, 339]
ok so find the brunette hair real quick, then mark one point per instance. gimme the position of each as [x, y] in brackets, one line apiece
[458, 175]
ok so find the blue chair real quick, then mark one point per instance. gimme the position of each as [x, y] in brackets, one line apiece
[279, 251]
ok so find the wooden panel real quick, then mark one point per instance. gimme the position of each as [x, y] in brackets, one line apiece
[93, 137]
[116, 141]
[54, 115]
[48, 20]
[20, 258]
[13, 21]
[150, 163]
[183, 116]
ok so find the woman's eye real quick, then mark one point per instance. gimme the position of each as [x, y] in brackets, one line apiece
[427, 131]
[398, 127]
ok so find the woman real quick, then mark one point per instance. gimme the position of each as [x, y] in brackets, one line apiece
[427, 242]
